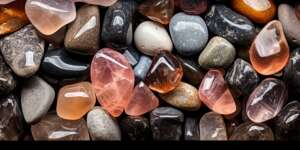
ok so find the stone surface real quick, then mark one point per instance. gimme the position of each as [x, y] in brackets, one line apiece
[11, 119]
[157, 10]
[287, 122]
[192, 73]
[117, 27]
[12, 16]
[113, 80]
[184, 96]
[165, 73]
[56, 39]
[105, 3]
[292, 72]
[212, 127]
[23, 51]
[132, 55]
[260, 11]
[269, 53]
[135, 128]
[75, 100]
[189, 33]
[37, 97]
[6, 1]
[297, 9]
[194, 7]
[249, 131]
[231, 126]
[290, 23]
[191, 129]
[49, 16]
[83, 35]
[241, 77]
[102, 126]
[150, 38]
[8, 82]
[266, 100]
[142, 68]
[214, 93]
[166, 124]
[218, 53]
[53, 128]
[142, 100]
[226, 23]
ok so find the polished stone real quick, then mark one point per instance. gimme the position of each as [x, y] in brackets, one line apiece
[142, 68]
[6, 1]
[292, 72]
[105, 3]
[191, 129]
[132, 55]
[194, 7]
[8, 81]
[249, 131]
[192, 73]
[212, 127]
[135, 128]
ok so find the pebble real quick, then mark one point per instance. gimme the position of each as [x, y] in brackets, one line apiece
[212, 127]
[192, 73]
[250, 131]
[191, 129]
[136, 128]
[142, 68]
[8, 81]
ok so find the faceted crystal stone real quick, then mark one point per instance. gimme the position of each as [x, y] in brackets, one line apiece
[23, 51]
[241, 77]
[75, 100]
[53, 128]
[212, 127]
[184, 96]
[132, 55]
[8, 82]
[230, 25]
[142, 100]
[192, 73]
[37, 97]
[49, 16]
[12, 16]
[249, 131]
[214, 93]
[191, 129]
[102, 126]
[117, 27]
[165, 73]
[266, 100]
[135, 128]
[269, 53]
[292, 72]
[158, 10]
[105, 3]
[166, 124]
[142, 68]
[6, 1]
[113, 80]
[83, 35]
[287, 122]
[260, 11]
[11, 119]
[194, 7]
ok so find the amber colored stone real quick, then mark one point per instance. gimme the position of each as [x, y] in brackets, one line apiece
[269, 53]
[215, 94]
[75, 100]
[158, 10]
[12, 17]
[142, 101]
[260, 11]
[193, 7]
[165, 73]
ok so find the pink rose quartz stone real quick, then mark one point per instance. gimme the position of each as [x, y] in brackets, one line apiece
[112, 79]
[105, 3]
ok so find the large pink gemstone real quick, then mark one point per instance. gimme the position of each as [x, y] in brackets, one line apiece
[5, 1]
[98, 2]
[215, 94]
[113, 80]
[48, 16]
[142, 101]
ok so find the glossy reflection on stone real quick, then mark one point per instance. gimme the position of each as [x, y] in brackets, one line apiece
[212, 127]
[191, 129]
[249, 131]
[292, 72]
[194, 7]
[266, 100]
[269, 52]
[214, 93]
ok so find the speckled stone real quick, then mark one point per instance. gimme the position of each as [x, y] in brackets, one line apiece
[8, 82]
[189, 33]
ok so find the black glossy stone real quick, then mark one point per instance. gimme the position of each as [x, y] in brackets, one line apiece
[142, 68]
[59, 65]
[166, 124]
[8, 81]
[191, 129]
[11, 127]
[241, 77]
[117, 30]
[230, 25]
[135, 128]
[292, 72]
[287, 122]
[132, 55]
[191, 71]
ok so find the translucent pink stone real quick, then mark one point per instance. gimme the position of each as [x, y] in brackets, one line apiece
[105, 3]
[48, 16]
[5, 1]
[142, 101]
[112, 79]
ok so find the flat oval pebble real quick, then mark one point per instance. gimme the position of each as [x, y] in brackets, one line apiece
[189, 33]
[150, 38]
[212, 127]
[102, 126]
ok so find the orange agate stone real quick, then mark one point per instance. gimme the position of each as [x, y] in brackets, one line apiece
[75, 100]
[12, 17]
[260, 11]
[269, 53]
